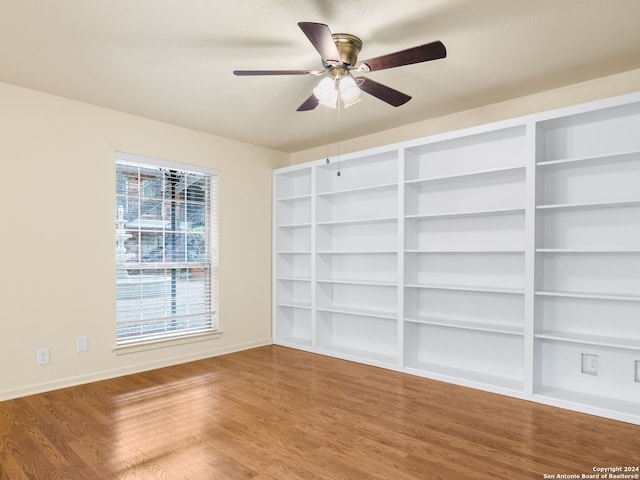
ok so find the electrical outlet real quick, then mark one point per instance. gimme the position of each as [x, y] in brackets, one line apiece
[43, 356]
[637, 371]
[589, 364]
[82, 344]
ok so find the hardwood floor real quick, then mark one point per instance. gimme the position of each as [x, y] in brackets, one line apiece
[273, 413]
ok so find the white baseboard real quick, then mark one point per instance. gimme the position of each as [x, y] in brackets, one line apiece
[128, 370]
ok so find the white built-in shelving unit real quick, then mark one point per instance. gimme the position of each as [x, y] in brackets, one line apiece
[293, 313]
[504, 257]
[588, 258]
[464, 258]
[357, 258]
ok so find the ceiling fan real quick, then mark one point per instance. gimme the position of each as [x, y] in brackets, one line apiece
[339, 53]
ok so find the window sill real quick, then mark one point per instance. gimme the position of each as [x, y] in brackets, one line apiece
[166, 342]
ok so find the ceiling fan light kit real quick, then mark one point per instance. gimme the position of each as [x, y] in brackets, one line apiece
[339, 54]
[340, 86]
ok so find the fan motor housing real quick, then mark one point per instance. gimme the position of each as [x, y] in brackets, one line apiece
[349, 47]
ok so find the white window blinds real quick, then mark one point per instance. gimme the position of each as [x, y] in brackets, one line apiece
[166, 249]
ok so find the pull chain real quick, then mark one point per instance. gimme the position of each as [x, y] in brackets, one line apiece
[338, 174]
[326, 131]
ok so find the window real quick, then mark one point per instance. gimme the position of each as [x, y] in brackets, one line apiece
[166, 249]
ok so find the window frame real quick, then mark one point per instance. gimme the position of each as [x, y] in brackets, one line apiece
[188, 336]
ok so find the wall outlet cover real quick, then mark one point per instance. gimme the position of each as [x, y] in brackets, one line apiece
[43, 356]
[82, 344]
[590, 364]
[637, 371]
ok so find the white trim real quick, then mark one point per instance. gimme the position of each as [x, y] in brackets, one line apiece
[135, 159]
[72, 381]
[156, 343]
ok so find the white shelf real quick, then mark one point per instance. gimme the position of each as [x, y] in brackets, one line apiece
[302, 305]
[378, 283]
[294, 342]
[355, 252]
[293, 278]
[358, 355]
[293, 198]
[441, 372]
[516, 250]
[363, 312]
[596, 340]
[470, 288]
[575, 206]
[359, 221]
[596, 159]
[469, 213]
[294, 252]
[496, 172]
[594, 296]
[589, 250]
[470, 325]
[569, 398]
[367, 188]
[294, 225]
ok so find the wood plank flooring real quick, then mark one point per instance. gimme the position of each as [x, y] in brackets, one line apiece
[274, 413]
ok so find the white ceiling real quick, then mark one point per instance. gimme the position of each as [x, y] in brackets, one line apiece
[172, 60]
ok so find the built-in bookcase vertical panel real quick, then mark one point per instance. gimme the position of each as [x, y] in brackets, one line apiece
[587, 309]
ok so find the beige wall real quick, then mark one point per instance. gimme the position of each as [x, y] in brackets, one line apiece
[57, 159]
[57, 238]
[620, 84]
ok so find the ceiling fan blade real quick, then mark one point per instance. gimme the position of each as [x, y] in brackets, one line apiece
[422, 53]
[320, 37]
[309, 104]
[246, 73]
[384, 93]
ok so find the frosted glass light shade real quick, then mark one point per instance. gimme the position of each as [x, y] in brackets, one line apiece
[326, 92]
[349, 91]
